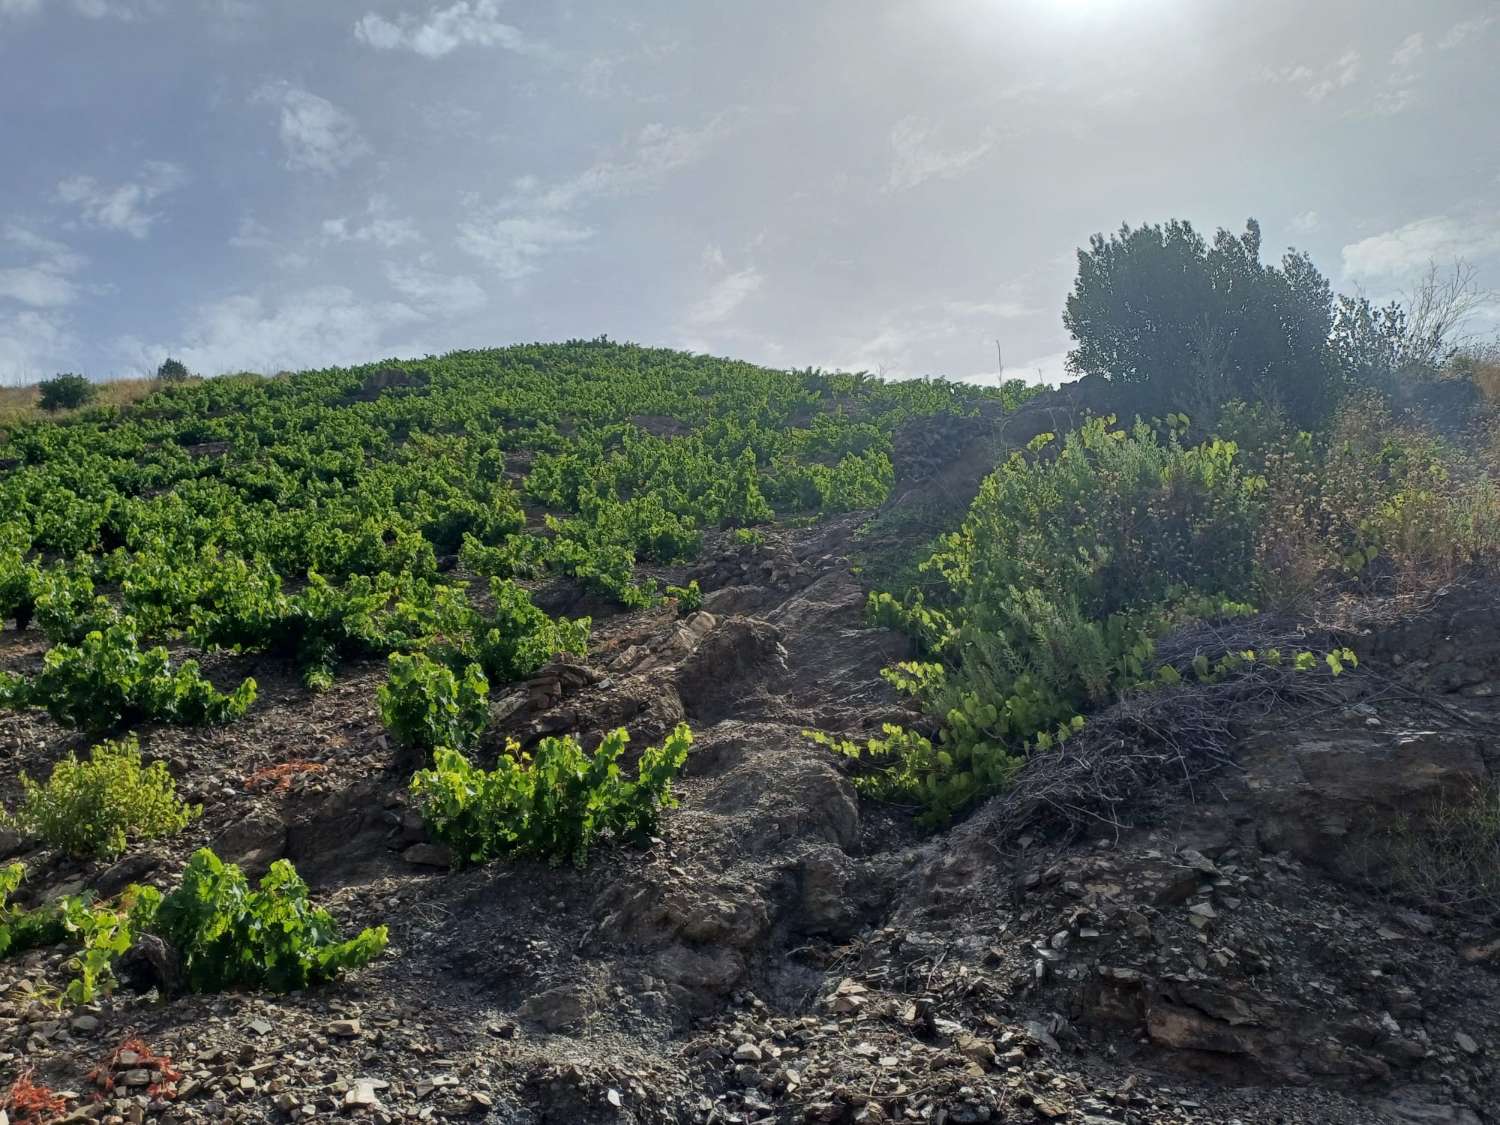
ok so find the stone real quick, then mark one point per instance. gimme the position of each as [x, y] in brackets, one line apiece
[1466, 1043]
[558, 1009]
[362, 1096]
[344, 1029]
[748, 1053]
[429, 855]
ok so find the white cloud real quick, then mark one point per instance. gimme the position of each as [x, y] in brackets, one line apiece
[251, 235]
[322, 326]
[43, 280]
[1409, 249]
[33, 345]
[514, 247]
[378, 226]
[434, 293]
[122, 207]
[652, 153]
[1307, 222]
[915, 158]
[91, 9]
[441, 32]
[318, 136]
[724, 297]
[1466, 29]
[1048, 370]
[1409, 52]
[38, 288]
[1316, 85]
[1001, 309]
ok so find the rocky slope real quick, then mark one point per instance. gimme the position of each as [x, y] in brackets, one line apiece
[1217, 948]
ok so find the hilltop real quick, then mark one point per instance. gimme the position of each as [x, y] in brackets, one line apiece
[1043, 765]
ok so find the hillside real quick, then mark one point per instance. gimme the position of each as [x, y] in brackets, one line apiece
[1043, 767]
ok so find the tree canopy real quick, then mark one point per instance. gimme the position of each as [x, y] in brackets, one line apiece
[1203, 322]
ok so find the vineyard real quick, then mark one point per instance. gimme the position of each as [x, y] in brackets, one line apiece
[589, 689]
[407, 512]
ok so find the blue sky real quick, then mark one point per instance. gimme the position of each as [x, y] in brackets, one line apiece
[881, 184]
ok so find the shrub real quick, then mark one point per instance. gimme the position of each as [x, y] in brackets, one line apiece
[22, 929]
[107, 681]
[423, 704]
[1447, 859]
[1053, 590]
[92, 808]
[65, 392]
[18, 578]
[689, 597]
[172, 371]
[553, 804]
[228, 936]
[1373, 501]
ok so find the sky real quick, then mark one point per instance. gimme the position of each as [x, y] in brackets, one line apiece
[886, 185]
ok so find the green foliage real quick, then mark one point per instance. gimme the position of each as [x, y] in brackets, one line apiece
[92, 809]
[108, 681]
[229, 936]
[423, 704]
[172, 371]
[66, 392]
[689, 598]
[907, 768]
[1052, 593]
[21, 929]
[1199, 323]
[18, 576]
[552, 804]
[103, 933]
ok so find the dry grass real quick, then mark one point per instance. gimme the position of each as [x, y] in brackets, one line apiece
[20, 404]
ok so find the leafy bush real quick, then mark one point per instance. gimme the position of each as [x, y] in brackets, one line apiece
[172, 371]
[21, 929]
[423, 704]
[18, 577]
[94, 808]
[228, 936]
[1053, 591]
[1373, 501]
[689, 597]
[107, 681]
[553, 804]
[65, 392]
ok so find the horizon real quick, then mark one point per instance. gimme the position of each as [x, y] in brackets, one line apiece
[891, 187]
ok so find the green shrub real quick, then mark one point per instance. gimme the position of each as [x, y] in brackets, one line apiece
[22, 929]
[172, 371]
[689, 597]
[18, 577]
[553, 804]
[228, 936]
[93, 808]
[423, 704]
[65, 392]
[1066, 569]
[107, 681]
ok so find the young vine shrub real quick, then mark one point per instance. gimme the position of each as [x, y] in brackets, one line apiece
[553, 804]
[424, 705]
[94, 808]
[21, 929]
[108, 681]
[229, 936]
[689, 598]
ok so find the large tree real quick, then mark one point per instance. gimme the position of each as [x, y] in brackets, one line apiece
[1201, 323]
